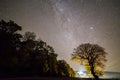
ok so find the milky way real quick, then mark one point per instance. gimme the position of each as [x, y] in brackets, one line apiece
[64, 24]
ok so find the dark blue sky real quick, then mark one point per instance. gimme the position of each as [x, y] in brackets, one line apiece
[64, 24]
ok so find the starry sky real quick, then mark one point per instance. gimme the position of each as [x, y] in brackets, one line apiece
[64, 24]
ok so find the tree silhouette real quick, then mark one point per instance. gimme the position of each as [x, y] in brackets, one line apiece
[92, 57]
[64, 69]
[41, 58]
[29, 36]
[24, 56]
[9, 44]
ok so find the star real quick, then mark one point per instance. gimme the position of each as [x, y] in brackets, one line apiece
[91, 28]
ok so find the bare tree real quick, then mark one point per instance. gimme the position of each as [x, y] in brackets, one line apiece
[92, 57]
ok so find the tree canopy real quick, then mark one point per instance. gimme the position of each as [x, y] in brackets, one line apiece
[92, 57]
[24, 55]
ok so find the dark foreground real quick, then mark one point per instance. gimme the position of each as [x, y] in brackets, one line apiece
[48, 78]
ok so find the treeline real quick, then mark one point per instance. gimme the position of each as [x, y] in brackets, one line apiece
[24, 56]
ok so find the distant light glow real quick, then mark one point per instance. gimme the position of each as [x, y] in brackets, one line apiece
[82, 74]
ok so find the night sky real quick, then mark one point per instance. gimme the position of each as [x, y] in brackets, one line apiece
[64, 24]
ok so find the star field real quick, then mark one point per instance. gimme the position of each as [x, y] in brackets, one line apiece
[64, 24]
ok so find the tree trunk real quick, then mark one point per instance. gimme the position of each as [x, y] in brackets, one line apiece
[93, 73]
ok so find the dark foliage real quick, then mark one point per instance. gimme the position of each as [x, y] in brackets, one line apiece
[24, 56]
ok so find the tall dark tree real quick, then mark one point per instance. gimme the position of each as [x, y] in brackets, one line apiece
[92, 57]
[26, 55]
[41, 57]
[9, 44]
